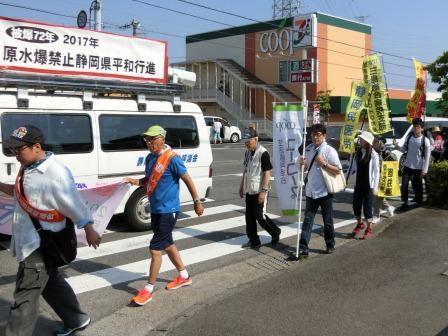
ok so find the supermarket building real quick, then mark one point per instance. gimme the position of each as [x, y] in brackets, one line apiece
[241, 71]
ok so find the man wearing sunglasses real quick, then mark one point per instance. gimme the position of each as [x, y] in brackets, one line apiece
[44, 192]
[163, 169]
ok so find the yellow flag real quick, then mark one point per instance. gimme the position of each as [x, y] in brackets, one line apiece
[389, 185]
[352, 112]
[379, 121]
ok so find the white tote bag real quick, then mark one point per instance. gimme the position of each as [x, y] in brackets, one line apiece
[334, 183]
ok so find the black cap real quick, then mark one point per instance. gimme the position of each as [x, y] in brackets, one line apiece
[252, 133]
[24, 135]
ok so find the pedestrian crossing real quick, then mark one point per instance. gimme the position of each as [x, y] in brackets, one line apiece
[135, 270]
[217, 219]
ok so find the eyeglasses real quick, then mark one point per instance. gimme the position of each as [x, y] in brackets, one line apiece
[17, 150]
[317, 135]
[150, 141]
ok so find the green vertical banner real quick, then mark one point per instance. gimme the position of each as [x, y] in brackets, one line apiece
[287, 124]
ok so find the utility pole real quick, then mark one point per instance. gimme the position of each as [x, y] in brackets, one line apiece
[96, 7]
[134, 24]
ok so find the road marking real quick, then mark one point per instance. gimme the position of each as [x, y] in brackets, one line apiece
[137, 270]
[142, 241]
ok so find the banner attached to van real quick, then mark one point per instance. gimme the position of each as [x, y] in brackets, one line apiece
[102, 201]
[287, 125]
[44, 49]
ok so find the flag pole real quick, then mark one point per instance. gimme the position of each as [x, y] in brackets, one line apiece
[302, 170]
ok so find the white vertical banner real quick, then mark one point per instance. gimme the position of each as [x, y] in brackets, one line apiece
[287, 137]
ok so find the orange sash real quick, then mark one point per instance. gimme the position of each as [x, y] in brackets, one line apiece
[51, 216]
[157, 170]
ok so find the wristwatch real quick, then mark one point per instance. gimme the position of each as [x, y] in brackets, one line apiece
[265, 189]
[325, 165]
[197, 201]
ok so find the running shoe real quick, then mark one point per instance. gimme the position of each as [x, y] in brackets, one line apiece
[143, 297]
[179, 282]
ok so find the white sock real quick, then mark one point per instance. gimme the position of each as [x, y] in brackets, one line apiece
[184, 274]
[149, 287]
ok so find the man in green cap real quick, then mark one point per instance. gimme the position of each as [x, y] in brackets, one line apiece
[163, 169]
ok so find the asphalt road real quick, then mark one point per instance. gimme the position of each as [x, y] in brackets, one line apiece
[106, 279]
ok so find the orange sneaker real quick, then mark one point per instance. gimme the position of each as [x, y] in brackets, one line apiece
[179, 282]
[143, 297]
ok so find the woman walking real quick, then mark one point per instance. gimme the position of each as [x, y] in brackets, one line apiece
[367, 170]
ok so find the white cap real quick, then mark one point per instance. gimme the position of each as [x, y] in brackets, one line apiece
[367, 136]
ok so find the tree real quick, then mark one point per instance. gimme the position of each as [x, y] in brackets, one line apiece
[323, 100]
[439, 74]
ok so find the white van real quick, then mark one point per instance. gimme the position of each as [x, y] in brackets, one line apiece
[100, 141]
[229, 133]
[401, 128]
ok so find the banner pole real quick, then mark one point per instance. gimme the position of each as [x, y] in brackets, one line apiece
[299, 215]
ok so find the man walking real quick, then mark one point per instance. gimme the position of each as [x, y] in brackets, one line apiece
[318, 156]
[44, 189]
[418, 152]
[163, 170]
[255, 185]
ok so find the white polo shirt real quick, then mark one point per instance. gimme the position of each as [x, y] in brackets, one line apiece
[48, 186]
[315, 187]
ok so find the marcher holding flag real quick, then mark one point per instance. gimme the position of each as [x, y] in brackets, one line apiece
[163, 170]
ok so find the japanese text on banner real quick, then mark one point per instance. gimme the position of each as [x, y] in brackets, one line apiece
[379, 121]
[352, 113]
[389, 185]
[102, 201]
[417, 103]
[38, 48]
[287, 126]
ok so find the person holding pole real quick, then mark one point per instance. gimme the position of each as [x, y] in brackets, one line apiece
[318, 156]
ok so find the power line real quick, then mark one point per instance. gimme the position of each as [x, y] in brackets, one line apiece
[116, 26]
[183, 13]
[277, 26]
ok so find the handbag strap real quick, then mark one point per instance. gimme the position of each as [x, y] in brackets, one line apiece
[309, 168]
[36, 223]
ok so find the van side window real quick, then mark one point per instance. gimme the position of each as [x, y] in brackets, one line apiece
[64, 133]
[122, 132]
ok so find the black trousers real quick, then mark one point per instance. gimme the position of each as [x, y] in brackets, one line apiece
[415, 176]
[254, 214]
[32, 281]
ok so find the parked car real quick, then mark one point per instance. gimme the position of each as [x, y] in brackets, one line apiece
[229, 133]
[401, 128]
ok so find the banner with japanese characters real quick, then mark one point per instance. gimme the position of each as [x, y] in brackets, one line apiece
[44, 49]
[288, 123]
[378, 112]
[389, 185]
[417, 103]
[353, 111]
[102, 200]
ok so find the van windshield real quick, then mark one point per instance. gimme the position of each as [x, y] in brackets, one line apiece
[399, 129]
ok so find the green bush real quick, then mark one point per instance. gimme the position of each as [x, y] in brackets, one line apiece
[437, 180]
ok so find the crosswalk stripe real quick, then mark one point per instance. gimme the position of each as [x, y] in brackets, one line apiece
[142, 241]
[136, 270]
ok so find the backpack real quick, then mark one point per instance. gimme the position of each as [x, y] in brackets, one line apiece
[403, 157]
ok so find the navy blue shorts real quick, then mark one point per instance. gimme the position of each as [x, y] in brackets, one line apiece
[162, 226]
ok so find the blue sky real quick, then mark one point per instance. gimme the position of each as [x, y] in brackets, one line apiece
[406, 28]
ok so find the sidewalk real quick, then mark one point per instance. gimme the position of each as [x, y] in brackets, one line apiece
[389, 285]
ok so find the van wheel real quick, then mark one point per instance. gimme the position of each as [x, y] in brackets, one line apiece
[137, 216]
[235, 138]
